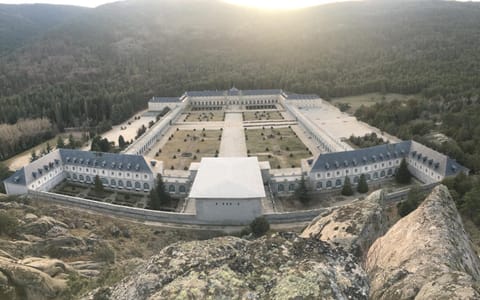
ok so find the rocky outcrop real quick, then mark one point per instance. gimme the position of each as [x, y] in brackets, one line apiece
[20, 281]
[40, 227]
[353, 226]
[425, 255]
[282, 266]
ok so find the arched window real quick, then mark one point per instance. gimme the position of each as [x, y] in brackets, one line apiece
[171, 188]
[182, 189]
[382, 174]
[291, 187]
[74, 176]
[81, 178]
[120, 184]
[138, 185]
[88, 179]
[319, 185]
[129, 184]
[69, 176]
[369, 177]
[113, 182]
[329, 184]
[338, 182]
[146, 186]
[280, 188]
[104, 181]
[355, 179]
[375, 175]
[390, 172]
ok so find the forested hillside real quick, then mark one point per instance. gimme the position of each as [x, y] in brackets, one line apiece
[19, 24]
[104, 65]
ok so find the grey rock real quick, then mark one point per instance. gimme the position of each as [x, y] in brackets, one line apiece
[425, 255]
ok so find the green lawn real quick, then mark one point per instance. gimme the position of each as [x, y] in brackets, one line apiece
[280, 146]
[369, 99]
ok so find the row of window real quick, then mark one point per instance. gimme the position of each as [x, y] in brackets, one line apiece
[112, 183]
[425, 170]
[357, 170]
[42, 180]
[338, 182]
[235, 102]
[105, 172]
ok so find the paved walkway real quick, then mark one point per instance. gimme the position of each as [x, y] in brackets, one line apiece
[233, 137]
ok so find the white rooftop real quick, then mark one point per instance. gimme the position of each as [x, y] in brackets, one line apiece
[228, 177]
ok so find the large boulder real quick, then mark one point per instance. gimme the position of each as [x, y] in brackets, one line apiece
[354, 226]
[425, 255]
[22, 282]
[41, 226]
[282, 266]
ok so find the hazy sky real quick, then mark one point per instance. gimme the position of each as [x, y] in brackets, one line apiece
[278, 4]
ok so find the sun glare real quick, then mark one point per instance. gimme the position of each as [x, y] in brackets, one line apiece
[279, 4]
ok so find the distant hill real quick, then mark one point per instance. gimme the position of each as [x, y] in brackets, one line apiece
[20, 23]
[105, 64]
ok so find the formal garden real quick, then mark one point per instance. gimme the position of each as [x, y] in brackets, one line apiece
[280, 146]
[204, 116]
[186, 146]
[262, 115]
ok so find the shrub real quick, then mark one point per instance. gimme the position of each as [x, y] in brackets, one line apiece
[105, 253]
[8, 224]
[259, 226]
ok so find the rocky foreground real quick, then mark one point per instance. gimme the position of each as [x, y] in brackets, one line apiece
[346, 253]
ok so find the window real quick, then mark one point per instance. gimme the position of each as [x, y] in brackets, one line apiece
[355, 179]
[329, 184]
[382, 174]
[88, 179]
[319, 185]
[375, 175]
[291, 187]
[120, 184]
[74, 176]
[104, 181]
[280, 188]
[146, 186]
[81, 177]
[138, 185]
[113, 182]
[338, 182]
[182, 189]
[390, 172]
[129, 184]
[145, 176]
[171, 188]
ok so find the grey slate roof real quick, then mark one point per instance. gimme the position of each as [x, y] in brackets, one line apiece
[293, 96]
[360, 157]
[165, 99]
[17, 178]
[232, 92]
[109, 161]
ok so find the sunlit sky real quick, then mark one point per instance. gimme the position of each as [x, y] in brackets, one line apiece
[263, 4]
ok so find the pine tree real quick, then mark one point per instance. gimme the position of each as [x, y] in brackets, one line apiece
[71, 142]
[362, 186]
[60, 142]
[121, 142]
[33, 156]
[302, 192]
[158, 196]
[347, 187]
[98, 185]
[48, 148]
[403, 175]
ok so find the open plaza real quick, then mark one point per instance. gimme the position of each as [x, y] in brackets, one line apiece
[231, 155]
